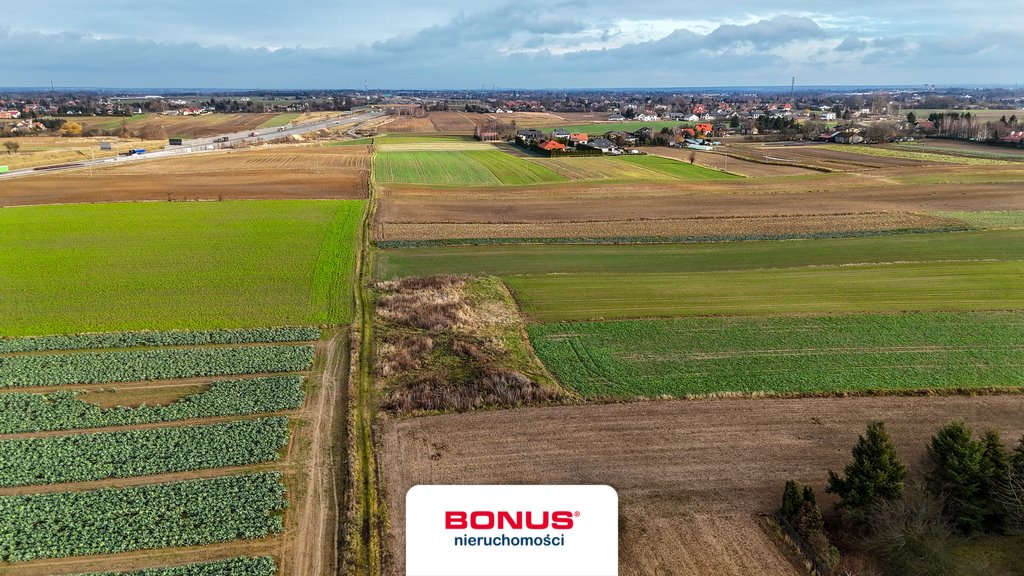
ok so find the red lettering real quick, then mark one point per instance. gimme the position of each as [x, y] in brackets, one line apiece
[506, 520]
[481, 520]
[455, 520]
[562, 520]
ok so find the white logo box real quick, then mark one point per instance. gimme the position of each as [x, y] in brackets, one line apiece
[512, 531]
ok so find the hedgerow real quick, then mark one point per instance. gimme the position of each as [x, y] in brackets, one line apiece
[130, 365]
[85, 457]
[62, 410]
[112, 520]
[243, 566]
[154, 338]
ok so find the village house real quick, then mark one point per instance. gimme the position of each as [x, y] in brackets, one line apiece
[616, 117]
[603, 144]
[552, 146]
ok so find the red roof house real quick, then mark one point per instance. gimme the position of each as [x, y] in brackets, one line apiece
[552, 145]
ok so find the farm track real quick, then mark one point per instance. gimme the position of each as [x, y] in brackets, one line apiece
[317, 526]
[692, 475]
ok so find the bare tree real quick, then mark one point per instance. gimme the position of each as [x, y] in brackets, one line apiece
[12, 147]
[693, 157]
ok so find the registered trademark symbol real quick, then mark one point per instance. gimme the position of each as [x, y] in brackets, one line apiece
[576, 514]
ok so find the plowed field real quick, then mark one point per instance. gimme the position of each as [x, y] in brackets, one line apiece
[692, 476]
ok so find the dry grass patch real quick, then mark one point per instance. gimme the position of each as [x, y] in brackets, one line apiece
[454, 343]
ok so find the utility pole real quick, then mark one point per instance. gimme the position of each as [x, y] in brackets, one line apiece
[792, 87]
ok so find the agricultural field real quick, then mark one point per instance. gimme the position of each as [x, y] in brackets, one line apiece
[434, 122]
[599, 128]
[668, 229]
[676, 169]
[204, 468]
[784, 355]
[983, 115]
[195, 126]
[460, 169]
[175, 265]
[962, 148]
[36, 151]
[692, 476]
[994, 219]
[287, 172]
[721, 161]
[623, 260]
[907, 153]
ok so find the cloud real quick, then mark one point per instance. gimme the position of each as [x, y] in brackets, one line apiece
[526, 44]
[851, 44]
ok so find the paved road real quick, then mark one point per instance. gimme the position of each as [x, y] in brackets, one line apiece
[209, 143]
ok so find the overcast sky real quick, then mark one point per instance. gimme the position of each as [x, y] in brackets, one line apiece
[525, 43]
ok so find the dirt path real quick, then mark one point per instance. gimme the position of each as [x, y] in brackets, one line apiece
[691, 475]
[316, 524]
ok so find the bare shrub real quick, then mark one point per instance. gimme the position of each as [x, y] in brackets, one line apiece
[494, 386]
[856, 564]
[434, 303]
[403, 352]
[910, 536]
[468, 349]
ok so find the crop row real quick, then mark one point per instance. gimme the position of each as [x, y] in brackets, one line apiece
[112, 520]
[243, 566]
[130, 365]
[62, 410]
[124, 454]
[155, 338]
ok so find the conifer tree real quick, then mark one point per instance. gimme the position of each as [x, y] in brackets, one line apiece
[875, 473]
[958, 473]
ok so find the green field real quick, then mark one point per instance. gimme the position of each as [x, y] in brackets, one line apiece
[987, 218]
[820, 290]
[787, 355]
[508, 260]
[904, 154]
[281, 120]
[113, 267]
[460, 168]
[955, 271]
[605, 127]
[679, 170]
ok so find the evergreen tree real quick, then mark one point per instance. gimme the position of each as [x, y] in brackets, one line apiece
[997, 469]
[876, 471]
[809, 495]
[791, 501]
[911, 118]
[958, 473]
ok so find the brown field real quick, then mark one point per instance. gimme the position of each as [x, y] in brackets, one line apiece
[692, 476]
[535, 119]
[191, 126]
[407, 124]
[680, 227]
[817, 156]
[961, 147]
[831, 201]
[290, 172]
[433, 123]
[47, 150]
[311, 466]
[724, 162]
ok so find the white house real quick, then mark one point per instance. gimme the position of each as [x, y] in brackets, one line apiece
[828, 116]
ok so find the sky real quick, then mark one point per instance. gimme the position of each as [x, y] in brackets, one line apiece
[458, 44]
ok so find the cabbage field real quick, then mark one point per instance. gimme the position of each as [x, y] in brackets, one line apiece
[123, 454]
[129, 365]
[111, 520]
[63, 410]
[244, 566]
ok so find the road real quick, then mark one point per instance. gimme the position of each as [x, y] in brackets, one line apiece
[207, 144]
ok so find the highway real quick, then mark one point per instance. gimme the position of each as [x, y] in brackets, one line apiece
[247, 138]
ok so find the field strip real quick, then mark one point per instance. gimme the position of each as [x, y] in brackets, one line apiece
[143, 480]
[147, 384]
[71, 352]
[140, 560]
[168, 424]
